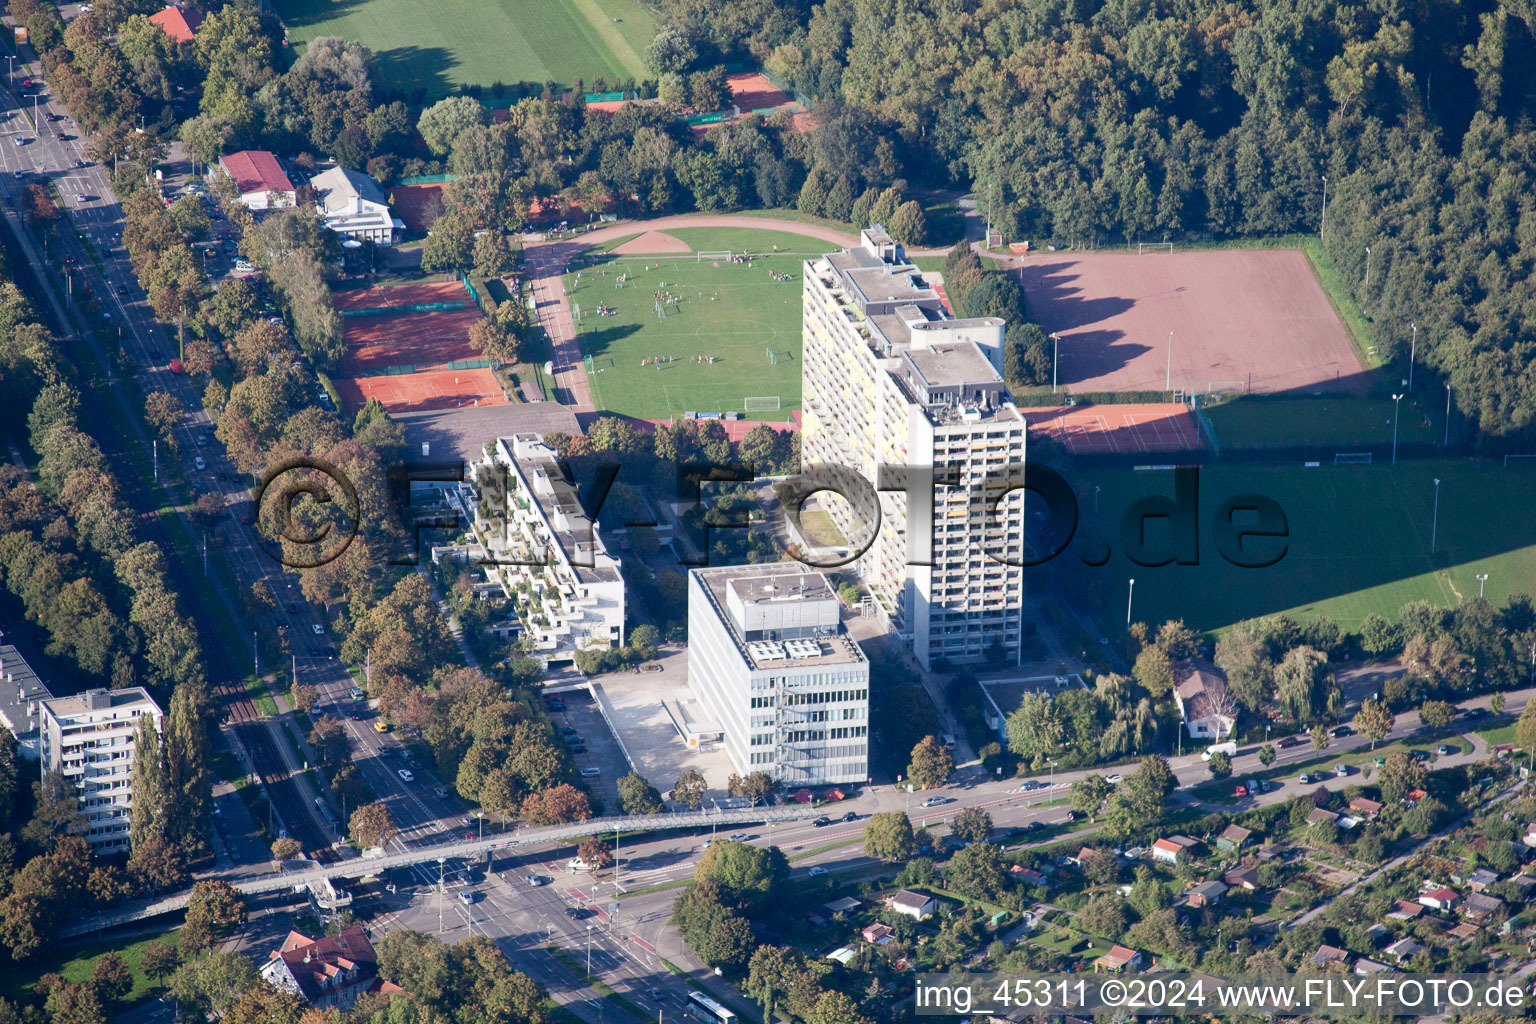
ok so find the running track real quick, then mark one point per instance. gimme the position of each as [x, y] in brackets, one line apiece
[547, 261]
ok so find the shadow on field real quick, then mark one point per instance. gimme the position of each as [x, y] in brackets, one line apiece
[598, 341]
[417, 70]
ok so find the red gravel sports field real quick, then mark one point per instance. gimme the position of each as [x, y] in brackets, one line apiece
[1117, 429]
[415, 294]
[1242, 320]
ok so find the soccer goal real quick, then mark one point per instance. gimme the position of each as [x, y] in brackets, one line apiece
[1519, 457]
[722, 254]
[1351, 458]
[1217, 388]
[761, 403]
[773, 357]
[1145, 247]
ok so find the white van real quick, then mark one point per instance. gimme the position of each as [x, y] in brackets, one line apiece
[1229, 748]
[577, 864]
[949, 741]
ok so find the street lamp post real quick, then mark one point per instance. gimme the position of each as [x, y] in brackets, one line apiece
[1396, 401]
[1129, 591]
[1168, 369]
[1095, 499]
[1413, 345]
[1366, 291]
[589, 951]
[1446, 441]
[1482, 578]
[1055, 359]
[1434, 523]
[480, 817]
[1322, 224]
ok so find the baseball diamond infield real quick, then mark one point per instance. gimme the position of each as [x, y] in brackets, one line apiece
[1241, 320]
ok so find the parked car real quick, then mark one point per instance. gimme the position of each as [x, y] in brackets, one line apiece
[1442, 750]
[1304, 778]
[1343, 730]
[578, 749]
[317, 629]
[1341, 770]
[1240, 791]
[1115, 779]
[199, 463]
[1290, 741]
[1477, 712]
[591, 773]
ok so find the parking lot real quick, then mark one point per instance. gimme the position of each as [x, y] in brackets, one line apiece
[592, 746]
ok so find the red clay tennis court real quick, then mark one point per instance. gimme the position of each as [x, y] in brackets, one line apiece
[418, 339]
[391, 295]
[420, 392]
[1117, 429]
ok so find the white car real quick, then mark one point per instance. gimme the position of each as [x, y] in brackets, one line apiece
[818, 871]
[591, 773]
[577, 864]
[406, 775]
[80, 197]
[739, 837]
[1114, 780]
[200, 463]
[316, 629]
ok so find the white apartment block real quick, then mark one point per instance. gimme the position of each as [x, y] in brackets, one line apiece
[767, 654]
[549, 558]
[890, 379]
[89, 739]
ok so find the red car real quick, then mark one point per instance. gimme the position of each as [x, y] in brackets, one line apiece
[1241, 791]
[1290, 741]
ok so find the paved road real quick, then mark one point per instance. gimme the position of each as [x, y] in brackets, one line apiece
[92, 208]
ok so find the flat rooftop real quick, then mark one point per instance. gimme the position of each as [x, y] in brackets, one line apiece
[20, 692]
[789, 586]
[838, 649]
[101, 700]
[953, 364]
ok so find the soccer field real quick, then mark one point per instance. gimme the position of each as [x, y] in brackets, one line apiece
[451, 43]
[1359, 541]
[735, 313]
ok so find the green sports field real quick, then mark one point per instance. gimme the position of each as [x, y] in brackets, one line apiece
[1352, 424]
[733, 312]
[441, 46]
[1359, 541]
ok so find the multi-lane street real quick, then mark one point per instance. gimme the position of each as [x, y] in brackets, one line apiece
[50, 149]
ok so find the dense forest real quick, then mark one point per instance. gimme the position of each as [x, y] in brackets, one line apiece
[1091, 122]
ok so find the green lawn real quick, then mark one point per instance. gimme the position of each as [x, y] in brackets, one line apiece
[1359, 541]
[1352, 424]
[730, 311]
[75, 963]
[454, 43]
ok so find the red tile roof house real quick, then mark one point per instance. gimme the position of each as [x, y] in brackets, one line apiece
[1439, 899]
[1369, 808]
[178, 22]
[1169, 850]
[1117, 959]
[260, 179]
[328, 972]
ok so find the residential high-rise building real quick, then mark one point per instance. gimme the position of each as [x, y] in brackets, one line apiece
[89, 740]
[768, 655]
[546, 552]
[893, 388]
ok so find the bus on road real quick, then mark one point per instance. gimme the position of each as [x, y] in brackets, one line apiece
[706, 1009]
